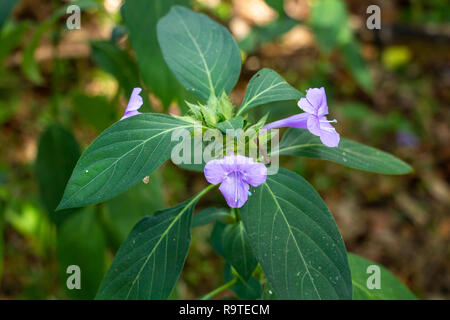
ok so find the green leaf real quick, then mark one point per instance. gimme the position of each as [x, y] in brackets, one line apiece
[267, 86]
[201, 53]
[124, 211]
[268, 292]
[81, 242]
[6, 6]
[295, 239]
[120, 157]
[150, 260]
[260, 35]
[277, 5]
[95, 110]
[247, 290]
[237, 250]
[110, 58]
[2, 243]
[391, 287]
[329, 22]
[209, 215]
[299, 142]
[141, 17]
[10, 38]
[217, 237]
[232, 124]
[57, 155]
[356, 64]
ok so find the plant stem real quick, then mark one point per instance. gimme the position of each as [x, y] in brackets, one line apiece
[224, 287]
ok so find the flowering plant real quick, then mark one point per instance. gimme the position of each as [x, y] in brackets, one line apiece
[277, 228]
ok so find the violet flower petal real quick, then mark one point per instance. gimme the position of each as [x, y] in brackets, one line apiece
[214, 171]
[234, 190]
[255, 174]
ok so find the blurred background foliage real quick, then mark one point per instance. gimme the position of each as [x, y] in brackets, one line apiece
[60, 88]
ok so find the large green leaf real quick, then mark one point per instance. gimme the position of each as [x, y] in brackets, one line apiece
[121, 156]
[295, 239]
[81, 242]
[391, 288]
[267, 86]
[58, 153]
[201, 53]
[141, 17]
[298, 142]
[237, 250]
[124, 211]
[150, 260]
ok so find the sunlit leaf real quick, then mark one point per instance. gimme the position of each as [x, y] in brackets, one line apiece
[201, 53]
[209, 215]
[295, 239]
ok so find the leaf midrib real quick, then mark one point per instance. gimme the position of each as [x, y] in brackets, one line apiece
[119, 159]
[295, 240]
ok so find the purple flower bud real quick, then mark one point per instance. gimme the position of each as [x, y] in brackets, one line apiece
[314, 118]
[235, 173]
[134, 104]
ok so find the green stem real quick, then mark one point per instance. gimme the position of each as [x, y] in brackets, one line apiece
[224, 287]
[237, 215]
[202, 193]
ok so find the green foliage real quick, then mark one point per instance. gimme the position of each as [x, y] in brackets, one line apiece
[247, 290]
[58, 153]
[141, 17]
[299, 142]
[237, 251]
[110, 58]
[209, 215]
[121, 156]
[6, 6]
[201, 53]
[267, 86]
[391, 287]
[295, 239]
[121, 213]
[146, 267]
[81, 242]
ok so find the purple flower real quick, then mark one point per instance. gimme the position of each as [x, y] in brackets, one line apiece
[314, 118]
[134, 104]
[235, 173]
